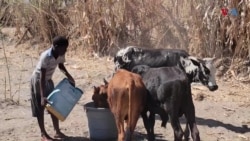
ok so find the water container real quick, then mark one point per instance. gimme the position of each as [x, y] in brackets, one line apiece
[63, 99]
[101, 122]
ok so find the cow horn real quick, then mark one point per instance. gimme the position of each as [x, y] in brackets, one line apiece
[209, 59]
[105, 81]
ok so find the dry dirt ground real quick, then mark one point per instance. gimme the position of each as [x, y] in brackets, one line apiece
[223, 115]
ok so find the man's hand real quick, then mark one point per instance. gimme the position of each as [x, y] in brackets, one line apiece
[64, 70]
[44, 100]
[72, 81]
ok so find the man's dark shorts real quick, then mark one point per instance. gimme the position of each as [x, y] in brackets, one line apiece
[36, 107]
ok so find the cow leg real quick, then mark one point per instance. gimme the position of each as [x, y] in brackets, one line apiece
[149, 124]
[190, 116]
[163, 114]
[120, 127]
[152, 123]
[178, 133]
[132, 124]
[121, 135]
[186, 132]
[128, 134]
[146, 124]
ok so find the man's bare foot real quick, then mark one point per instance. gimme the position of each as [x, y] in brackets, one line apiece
[46, 138]
[60, 135]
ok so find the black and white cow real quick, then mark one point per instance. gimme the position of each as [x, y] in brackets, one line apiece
[131, 56]
[170, 87]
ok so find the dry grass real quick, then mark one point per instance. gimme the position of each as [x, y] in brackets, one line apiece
[8, 73]
[102, 27]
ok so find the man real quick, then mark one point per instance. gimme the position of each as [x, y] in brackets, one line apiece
[42, 84]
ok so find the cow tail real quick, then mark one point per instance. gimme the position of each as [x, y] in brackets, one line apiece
[130, 106]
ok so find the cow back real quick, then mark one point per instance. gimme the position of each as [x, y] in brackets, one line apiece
[124, 88]
[163, 74]
[132, 56]
[157, 79]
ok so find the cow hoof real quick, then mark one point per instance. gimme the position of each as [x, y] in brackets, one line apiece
[151, 139]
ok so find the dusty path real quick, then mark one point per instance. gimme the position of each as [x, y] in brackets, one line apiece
[223, 115]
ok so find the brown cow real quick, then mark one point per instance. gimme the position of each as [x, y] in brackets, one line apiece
[126, 96]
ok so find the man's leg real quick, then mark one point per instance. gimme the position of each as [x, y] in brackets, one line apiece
[40, 119]
[58, 133]
[37, 109]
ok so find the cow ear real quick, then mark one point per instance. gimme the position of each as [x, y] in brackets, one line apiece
[214, 59]
[115, 59]
[94, 97]
[183, 61]
[95, 89]
[194, 60]
[105, 81]
[209, 60]
[134, 69]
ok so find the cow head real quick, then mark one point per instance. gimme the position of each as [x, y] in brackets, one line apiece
[200, 71]
[123, 57]
[100, 96]
[209, 63]
[140, 69]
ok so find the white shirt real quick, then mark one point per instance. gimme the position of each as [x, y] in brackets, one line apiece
[48, 62]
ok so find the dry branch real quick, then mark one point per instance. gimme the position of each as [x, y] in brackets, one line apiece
[8, 70]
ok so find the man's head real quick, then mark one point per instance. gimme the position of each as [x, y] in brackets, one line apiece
[60, 45]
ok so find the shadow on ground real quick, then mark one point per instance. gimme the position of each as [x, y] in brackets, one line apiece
[77, 139]
[215, 123]
[143, 137]
[200, 121]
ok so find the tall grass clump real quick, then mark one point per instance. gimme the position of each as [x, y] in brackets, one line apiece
[223, 36]
[104, 26]
[36, 18]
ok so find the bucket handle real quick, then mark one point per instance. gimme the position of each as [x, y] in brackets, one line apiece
[50, 102]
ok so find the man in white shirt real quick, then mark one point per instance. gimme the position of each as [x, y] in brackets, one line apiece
[42, 84]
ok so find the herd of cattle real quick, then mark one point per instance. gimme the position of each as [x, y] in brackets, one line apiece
[154, 81]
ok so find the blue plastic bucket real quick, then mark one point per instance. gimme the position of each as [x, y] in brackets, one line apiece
[63, 99]
[101, 122]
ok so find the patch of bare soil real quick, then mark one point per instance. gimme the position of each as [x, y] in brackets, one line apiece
[223, 115]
